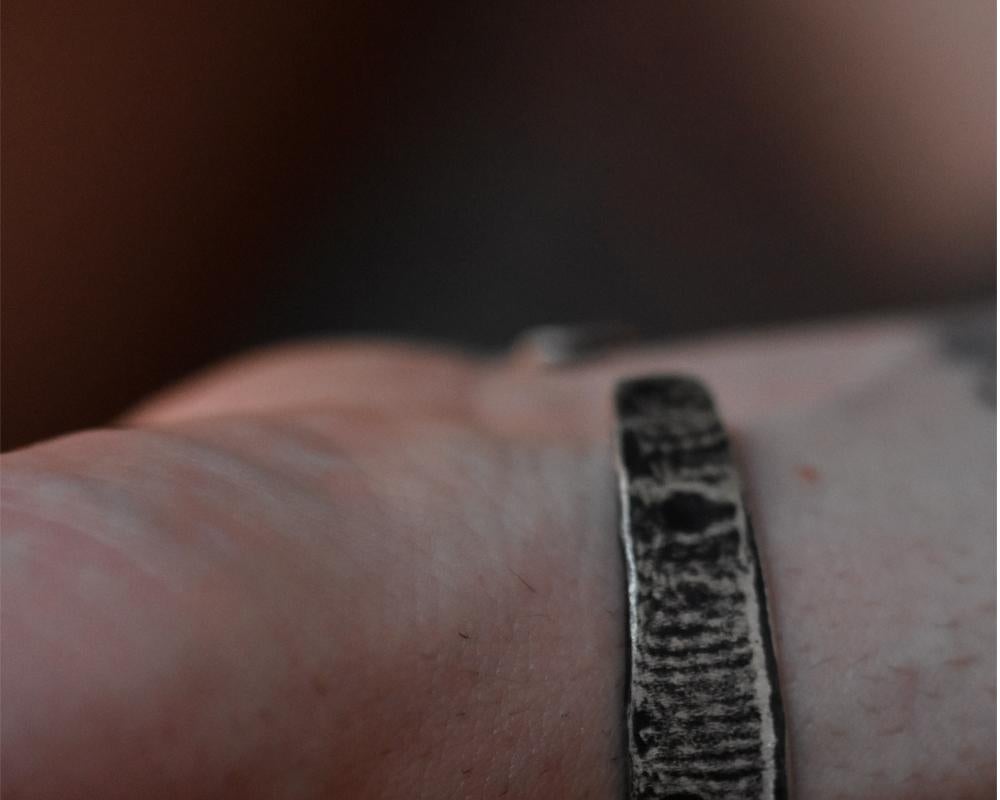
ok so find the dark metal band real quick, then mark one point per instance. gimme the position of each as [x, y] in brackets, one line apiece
[705, 720]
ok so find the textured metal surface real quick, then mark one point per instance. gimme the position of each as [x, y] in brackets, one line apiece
[704, 711]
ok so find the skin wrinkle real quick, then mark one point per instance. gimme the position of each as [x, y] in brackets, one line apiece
[105, 490]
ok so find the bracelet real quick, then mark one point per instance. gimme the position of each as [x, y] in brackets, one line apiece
[704, 713]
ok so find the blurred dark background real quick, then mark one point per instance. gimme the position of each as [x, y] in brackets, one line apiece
[184, 180]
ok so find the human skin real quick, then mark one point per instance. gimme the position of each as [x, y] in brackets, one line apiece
[378, 570]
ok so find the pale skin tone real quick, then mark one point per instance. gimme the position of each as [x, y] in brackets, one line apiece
[378, 570]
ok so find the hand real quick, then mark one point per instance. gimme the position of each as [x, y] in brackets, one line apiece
[368, 570]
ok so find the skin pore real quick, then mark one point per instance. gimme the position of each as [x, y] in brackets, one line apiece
[379, 570]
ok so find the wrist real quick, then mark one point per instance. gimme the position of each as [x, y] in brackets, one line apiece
[527, 652]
